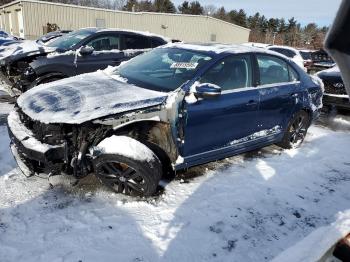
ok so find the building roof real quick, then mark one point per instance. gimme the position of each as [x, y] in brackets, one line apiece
[118, 11]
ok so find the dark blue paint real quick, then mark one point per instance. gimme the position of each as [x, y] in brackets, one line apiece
[212, 123]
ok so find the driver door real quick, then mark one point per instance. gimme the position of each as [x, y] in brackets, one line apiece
[103, 56]
[217, 123]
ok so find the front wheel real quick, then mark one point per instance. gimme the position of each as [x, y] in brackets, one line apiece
[296, 131]
[128, 176]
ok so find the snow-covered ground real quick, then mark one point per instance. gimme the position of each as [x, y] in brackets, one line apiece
[253, 207]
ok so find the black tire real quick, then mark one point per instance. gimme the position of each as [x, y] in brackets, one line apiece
[296, 130]
[49, 80]
[128, 176]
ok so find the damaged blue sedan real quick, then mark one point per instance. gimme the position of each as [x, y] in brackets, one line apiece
[172, 108]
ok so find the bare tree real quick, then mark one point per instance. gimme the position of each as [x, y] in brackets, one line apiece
[209, 10]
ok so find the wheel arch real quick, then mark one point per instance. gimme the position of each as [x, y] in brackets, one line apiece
[156, 135]
[47, 76]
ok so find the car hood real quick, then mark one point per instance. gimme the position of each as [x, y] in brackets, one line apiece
[23, 49]
[86, 97]
[331, 72]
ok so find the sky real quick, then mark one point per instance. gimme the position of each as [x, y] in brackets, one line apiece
[321, 12]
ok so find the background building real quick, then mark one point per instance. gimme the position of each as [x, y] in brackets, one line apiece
[28, 19]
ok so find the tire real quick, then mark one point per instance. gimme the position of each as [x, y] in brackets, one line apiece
[49, 80]
[296, 131]
[128, 176]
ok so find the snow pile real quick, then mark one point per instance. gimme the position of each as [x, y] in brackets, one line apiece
[124, 146]
[85, 97]
[251, 207]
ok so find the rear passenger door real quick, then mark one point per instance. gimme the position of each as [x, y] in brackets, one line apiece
[278, 85]
[106, 52]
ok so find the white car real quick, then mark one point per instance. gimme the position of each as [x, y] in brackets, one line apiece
[291, 53]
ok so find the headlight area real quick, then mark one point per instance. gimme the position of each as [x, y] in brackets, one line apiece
[26, 78]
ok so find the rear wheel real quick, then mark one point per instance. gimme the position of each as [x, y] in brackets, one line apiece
[128, 176]
[296, 131]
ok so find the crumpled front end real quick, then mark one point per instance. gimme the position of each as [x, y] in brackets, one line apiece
[34, 155]
[53, 149]
[16, 77]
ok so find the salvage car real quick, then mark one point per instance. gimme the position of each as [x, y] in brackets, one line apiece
[290, 52]
[163, 111]
[335, 93]
[81, 51]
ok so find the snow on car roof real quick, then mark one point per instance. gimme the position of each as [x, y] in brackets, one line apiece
[218, 48]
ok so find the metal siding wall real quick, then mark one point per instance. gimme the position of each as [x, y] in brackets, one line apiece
[186, 28]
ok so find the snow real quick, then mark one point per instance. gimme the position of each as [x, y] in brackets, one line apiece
[272, 203]
[25, 135]
[125, 146]
[315, 245]
[85, 97]
[26, 46]
[257, 135]
[216, 48]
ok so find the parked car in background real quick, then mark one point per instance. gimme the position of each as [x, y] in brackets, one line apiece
[306, 55]
[161, 110]
[259, 45]
[78, 52]
[6, 39]
[335, 93]
[52, 35]
[289, 52]
[321, 60]
[3, 34]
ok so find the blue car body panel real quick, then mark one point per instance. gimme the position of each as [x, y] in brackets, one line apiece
[211, 125]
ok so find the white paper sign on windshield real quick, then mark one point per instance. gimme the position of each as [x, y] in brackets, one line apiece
[183, 65]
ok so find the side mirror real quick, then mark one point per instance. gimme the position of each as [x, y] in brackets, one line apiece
[86, 50]
[207, 90]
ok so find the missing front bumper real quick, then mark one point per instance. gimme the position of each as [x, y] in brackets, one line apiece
[26, 148]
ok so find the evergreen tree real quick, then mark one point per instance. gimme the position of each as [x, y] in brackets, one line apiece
[164, 6]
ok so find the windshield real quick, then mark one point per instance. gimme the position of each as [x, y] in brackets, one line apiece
[163, 69]
[69, 40]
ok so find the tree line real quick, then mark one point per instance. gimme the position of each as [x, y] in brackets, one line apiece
[263, 30]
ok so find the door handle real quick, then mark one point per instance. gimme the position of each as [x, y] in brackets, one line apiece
[252, 103]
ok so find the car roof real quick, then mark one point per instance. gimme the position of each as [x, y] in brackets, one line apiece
[144, 33]
[220, 48]
[283, 47]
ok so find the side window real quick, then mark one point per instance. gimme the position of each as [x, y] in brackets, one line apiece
[293, 75]
[230, 73]
[136, 42]
[272, 70]
[105, 43]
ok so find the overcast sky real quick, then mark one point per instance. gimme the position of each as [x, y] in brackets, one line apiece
[321, 12]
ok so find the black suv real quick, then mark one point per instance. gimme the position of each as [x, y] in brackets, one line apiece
[81, 51]
[334, 90]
